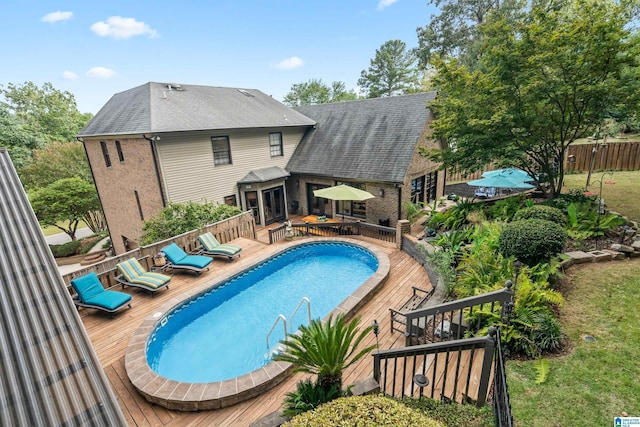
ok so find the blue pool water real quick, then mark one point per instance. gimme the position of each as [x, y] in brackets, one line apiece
[221, 334]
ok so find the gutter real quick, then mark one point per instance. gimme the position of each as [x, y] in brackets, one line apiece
[154, 155]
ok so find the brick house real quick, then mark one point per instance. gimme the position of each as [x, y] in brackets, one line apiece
[160, 143]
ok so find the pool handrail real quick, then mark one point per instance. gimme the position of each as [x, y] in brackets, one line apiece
[298, 308]
[284, 322]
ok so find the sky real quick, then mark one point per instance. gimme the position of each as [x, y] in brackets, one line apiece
[96, 49]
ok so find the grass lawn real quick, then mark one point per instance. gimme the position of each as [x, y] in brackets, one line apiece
[48, 231]
[595, 381]
[622, 197]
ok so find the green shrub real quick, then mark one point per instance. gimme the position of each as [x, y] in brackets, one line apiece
[413, 210]
[179, 218]
[363, 411]
[532, 241]
[505, 209]
[547, 213]
[308, 395]
[66, 249]
[452, 414]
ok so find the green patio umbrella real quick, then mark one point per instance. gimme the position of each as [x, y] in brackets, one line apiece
[343, 192]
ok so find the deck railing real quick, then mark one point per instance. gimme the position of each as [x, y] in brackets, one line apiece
[451, 320]
[500, 397]
[330, 229]
[457, 371]
[444, 364]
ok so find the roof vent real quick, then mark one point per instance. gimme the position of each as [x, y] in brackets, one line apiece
[245, 93]
[174, 86]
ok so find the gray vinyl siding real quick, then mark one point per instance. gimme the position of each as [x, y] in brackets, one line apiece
[188, 170]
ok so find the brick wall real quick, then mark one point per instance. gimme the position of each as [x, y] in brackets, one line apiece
[117, 186]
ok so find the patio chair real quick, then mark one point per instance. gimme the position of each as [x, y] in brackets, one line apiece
[487, 192]
[211, 247]
[133, 274]
[180, 260]
[91, 294]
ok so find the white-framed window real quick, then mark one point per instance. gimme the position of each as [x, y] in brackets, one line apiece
[221, 150]
[275, 144]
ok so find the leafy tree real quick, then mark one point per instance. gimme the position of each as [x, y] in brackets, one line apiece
[178, 218]
[17, 138]
[66, 201]
[454, 32]
[326, 349]
[46, 111]
[540, 84]
[56, 161]
[315, 91]
[391, 72]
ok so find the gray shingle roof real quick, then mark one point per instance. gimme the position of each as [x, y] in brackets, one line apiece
[264, 175]
[154, 108]
[372, 139]
[49, 372]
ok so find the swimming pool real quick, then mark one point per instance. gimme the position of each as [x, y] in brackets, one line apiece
[195, 395]
[223, 332]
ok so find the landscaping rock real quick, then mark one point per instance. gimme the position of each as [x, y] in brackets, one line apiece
[579, 257]
[599, 256]
[274, 419]
[365, 386]
[622, 248]
[615, 255]
[636, 245]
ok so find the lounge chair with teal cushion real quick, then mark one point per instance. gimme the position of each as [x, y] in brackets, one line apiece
[180, 260]
[91, 294]
[133, 274]
[211, 247]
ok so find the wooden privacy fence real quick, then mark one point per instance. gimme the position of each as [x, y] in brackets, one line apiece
[620, 156]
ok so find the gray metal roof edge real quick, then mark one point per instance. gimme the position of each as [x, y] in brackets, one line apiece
[62, 381]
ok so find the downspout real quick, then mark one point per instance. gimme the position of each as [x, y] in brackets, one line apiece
[154, 155]
[399, 201]
[93, 177]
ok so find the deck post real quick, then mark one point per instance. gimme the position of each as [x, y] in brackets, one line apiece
[489, 350]
[376, 367]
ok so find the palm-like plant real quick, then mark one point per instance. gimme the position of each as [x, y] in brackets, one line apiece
[326, 349]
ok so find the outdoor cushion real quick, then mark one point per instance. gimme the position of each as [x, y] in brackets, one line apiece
[173, 253]
[91, 292]
[135, 274]
[87, 286]
[179, 258]
[210, 244]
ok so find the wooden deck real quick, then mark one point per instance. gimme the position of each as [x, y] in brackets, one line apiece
[110, 338]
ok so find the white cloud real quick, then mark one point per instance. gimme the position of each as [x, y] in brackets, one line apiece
[384, 3]
[290, 63]
[100, 73]
[69, 75]
[118, 27]
[57, 16]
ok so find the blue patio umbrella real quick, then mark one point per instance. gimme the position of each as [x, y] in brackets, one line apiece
[511, 173]
[500, 181]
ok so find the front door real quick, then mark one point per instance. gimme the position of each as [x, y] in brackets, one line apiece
[273, 203]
